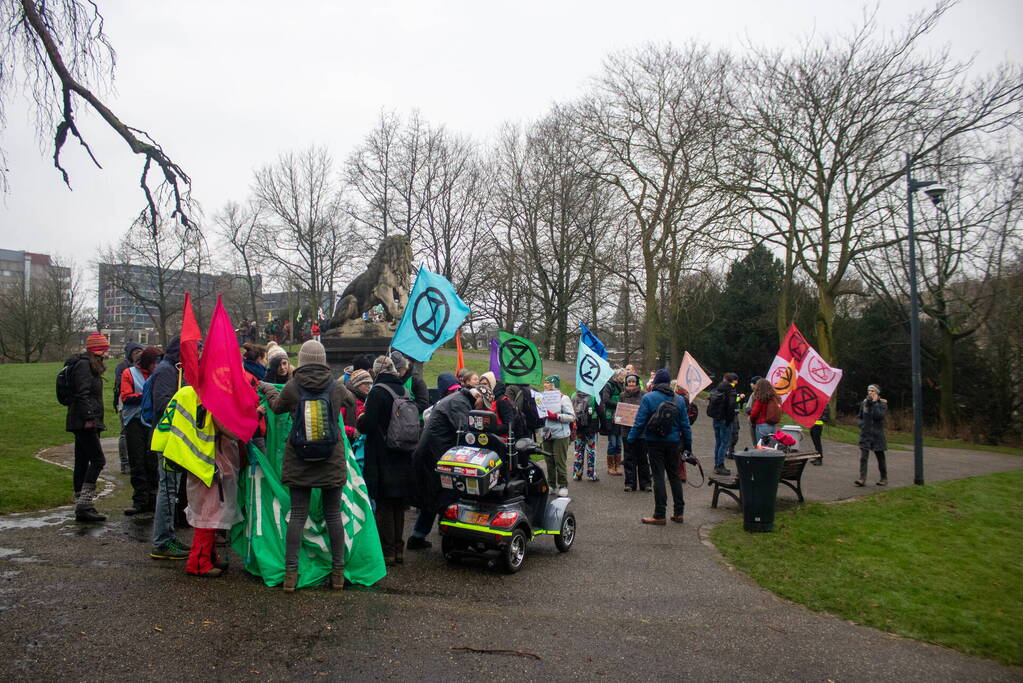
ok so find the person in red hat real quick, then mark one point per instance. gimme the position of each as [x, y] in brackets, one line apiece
[85, 421]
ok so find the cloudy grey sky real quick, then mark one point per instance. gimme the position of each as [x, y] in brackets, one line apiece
[226, 86]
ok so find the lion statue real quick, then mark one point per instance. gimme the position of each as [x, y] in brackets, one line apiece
[385, 282]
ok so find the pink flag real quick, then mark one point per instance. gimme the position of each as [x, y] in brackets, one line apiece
[224, 389]
[803, 380]
[692, 376]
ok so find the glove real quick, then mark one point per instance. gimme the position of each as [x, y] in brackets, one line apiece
[552, 416]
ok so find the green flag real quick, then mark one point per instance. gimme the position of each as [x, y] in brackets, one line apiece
[260, 537]
[520, 361]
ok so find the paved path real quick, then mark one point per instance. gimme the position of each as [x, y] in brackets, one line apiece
[629, 601]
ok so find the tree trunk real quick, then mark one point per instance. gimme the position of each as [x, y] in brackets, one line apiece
[561, 333]
[947, 395]
[824, 325]
[651, 319]
[785, 295]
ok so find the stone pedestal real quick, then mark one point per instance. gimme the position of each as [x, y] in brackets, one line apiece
[355, 338]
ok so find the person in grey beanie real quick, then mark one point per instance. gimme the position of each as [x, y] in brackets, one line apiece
[872, 412]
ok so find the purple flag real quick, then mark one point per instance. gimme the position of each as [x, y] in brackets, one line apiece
[495, 358]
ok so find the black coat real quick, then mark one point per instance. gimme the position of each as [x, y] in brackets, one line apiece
[608, 406]
[872, 425]
[450, 414]
[121, 367]
[86, 396]
[388, 472]
[165, 377]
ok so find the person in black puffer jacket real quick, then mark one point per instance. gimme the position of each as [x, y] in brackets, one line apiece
[388, 472]
[85, 421]
[132, 351]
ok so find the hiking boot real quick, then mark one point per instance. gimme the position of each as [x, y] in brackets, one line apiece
[89, 515]
[416, 543]
[860, 482]
[656, 521]
[818, 462]
[723, 471]
[290, 580]
[169, 551]
[677, 519]
[883, 482]
[85, 508]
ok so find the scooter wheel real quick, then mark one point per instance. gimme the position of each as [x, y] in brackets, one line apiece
[514, 554]
[564, 540]
[448, 549]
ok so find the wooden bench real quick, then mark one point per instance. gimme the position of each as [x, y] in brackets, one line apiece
[791, 476]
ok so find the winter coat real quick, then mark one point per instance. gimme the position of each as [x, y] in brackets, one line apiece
[448, 415]
[119, 370]
[295, 471]
[165, 377]
[420, 392]
[388, 472]
[86, 396]
[731, 400]
[680, 431]
[634, 399]
[872, 425]
[255, 368]
[608, 404]
[562, 427]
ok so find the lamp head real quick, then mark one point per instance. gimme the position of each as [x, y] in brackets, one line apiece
[936, 193]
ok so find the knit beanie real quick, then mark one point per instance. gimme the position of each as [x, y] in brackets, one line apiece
[312, 353]
[382, 364]
[874, 387]
[445, 381]
[273, 349]
[150, 356]
[400, 362]
[662, 376]
[490, 378]
[97, 343]
[633, 378]
[553, 379]
[359, 377]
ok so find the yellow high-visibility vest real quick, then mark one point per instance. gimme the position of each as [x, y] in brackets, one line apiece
[182, 440]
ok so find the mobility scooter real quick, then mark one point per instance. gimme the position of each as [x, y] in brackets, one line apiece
[503, 500]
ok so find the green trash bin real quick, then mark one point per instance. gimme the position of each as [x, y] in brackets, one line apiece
[759, 471]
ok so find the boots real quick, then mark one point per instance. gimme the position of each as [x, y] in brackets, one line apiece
[618, 466]
[85, 508]
[290, 580]
[337, 579]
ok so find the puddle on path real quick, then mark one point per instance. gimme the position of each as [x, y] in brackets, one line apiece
[7, 552]
[85, 530]
[26, 559]
[33, 521]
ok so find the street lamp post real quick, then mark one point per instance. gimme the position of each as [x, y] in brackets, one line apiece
[935, 193]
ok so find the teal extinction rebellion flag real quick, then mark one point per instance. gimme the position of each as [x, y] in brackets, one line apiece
[519, 360]
[431, 317]
[591, 371]
[260, 537]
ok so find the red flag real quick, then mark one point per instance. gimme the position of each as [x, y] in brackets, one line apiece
[224, 389]
[458, 345]
[190, 337]
[802, 379]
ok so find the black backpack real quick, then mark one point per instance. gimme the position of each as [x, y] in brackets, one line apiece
[314, 432]
[526, 407]
[65, 384]
[716, 404]
[403, 429]
[583, 411]
[661, 422]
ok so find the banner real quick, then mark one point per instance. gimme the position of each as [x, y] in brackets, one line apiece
[591, 371]
[590, 339]
[190, 338]
[692, 376]
[433, 314]
[803, 380]
[260, 537]
[520, 361]
[223, 387]
[495, 363]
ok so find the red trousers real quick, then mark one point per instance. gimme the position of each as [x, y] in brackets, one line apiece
[200, 559]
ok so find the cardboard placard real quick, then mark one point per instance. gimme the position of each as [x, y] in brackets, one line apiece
[625, 414]
[552, 401]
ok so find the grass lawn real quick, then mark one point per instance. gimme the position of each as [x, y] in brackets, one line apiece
[33, 420]
[938, 563]
[851, 434]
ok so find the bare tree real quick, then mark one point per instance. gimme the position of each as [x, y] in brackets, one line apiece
[239, 228]
[66, 57]
[369, 174]
[963, 248]
[828, 122]
[151, 272]
[39, 318]
[302, 236]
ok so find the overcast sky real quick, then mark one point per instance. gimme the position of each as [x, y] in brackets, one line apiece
[226, 86]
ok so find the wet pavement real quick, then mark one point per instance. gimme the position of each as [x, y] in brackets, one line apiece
[85, 602]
